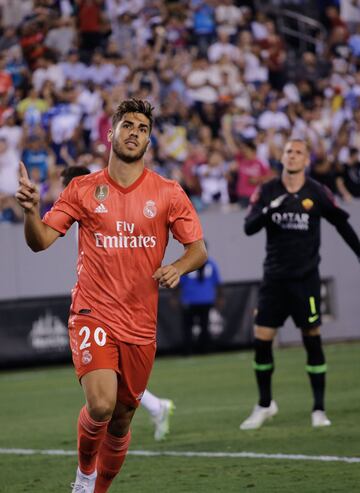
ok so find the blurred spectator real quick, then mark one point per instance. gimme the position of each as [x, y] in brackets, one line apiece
[11, 132]
[16, 67]
[324, 171]
[223, 47]
[31, 108]
[47, 70]
[354, 41]
[9, 209]
[8, 38]
[102, 126]
[50, 189]
[350, 13]
[61, 38]
[311, 68]
[6, 82]
[123, 31]
[229, 17]
[200, 82]
[73, 68]
[35, 155]
[213, 180]
[8, 182]
[99, 71]
[90, 102]
[275, 56]
[348, 181]
[251, 172]
[273, 117]
[204, 26]
[90, 25]
[13, 12]
[197, 155]
[69, 173]
[146, 78]
[31, 41]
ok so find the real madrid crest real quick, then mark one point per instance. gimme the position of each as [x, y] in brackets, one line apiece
[101, 192]
[307, 204]
[150, 210]
[86, 357]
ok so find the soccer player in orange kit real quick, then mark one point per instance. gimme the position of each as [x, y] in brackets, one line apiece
[125, 213]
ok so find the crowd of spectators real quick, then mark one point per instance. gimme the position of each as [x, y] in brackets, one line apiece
[216, 73]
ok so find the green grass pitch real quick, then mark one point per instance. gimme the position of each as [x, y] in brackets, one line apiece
[213, 394]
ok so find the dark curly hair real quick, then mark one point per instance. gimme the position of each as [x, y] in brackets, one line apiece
[133, 105]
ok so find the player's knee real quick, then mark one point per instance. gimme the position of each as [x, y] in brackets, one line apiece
[100, 409]
[265, 333]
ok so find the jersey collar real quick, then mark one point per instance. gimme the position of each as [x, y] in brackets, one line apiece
[126, 189]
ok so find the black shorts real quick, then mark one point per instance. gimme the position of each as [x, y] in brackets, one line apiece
[296, 298]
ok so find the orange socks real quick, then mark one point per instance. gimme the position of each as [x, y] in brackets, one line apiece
[90, 436]
[110, 458]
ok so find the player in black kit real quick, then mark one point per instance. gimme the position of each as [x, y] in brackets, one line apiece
[290, 208]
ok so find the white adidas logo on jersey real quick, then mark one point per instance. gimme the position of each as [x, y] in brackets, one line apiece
[100, 209]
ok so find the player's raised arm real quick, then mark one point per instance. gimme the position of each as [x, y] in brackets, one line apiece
[339, 218]
[194, 257]
[38, 235]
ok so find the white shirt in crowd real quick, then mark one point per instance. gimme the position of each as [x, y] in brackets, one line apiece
[199, 82]
[213, 182]
[53, 73]
[63, 125]
[100, 74]
[228, 17]
[9, 164]
[91, 105]
[219, 49]
[273, 119]
[13, 136]
[74, 71]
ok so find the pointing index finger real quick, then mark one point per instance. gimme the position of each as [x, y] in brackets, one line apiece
[23, 171]
[24, 177]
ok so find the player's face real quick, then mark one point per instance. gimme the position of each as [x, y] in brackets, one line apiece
[295, 157]
[131, 137]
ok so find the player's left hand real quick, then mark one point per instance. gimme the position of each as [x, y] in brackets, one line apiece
[168, 276]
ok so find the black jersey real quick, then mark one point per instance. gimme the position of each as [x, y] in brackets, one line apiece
[293, 227]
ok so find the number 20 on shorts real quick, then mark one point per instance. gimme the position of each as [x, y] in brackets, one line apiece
[99, 337]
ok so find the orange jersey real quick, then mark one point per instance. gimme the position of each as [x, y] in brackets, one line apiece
[123, 233]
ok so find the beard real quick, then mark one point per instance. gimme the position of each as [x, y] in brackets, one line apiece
[125, 156]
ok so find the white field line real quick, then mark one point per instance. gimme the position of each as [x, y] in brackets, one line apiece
[215, 455]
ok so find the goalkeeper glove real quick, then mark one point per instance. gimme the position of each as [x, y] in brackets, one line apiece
[275, 203]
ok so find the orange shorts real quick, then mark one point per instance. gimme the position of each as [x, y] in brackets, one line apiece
[93, 348]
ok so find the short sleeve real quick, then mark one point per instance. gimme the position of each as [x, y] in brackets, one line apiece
[183, 220]
[66, 210]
